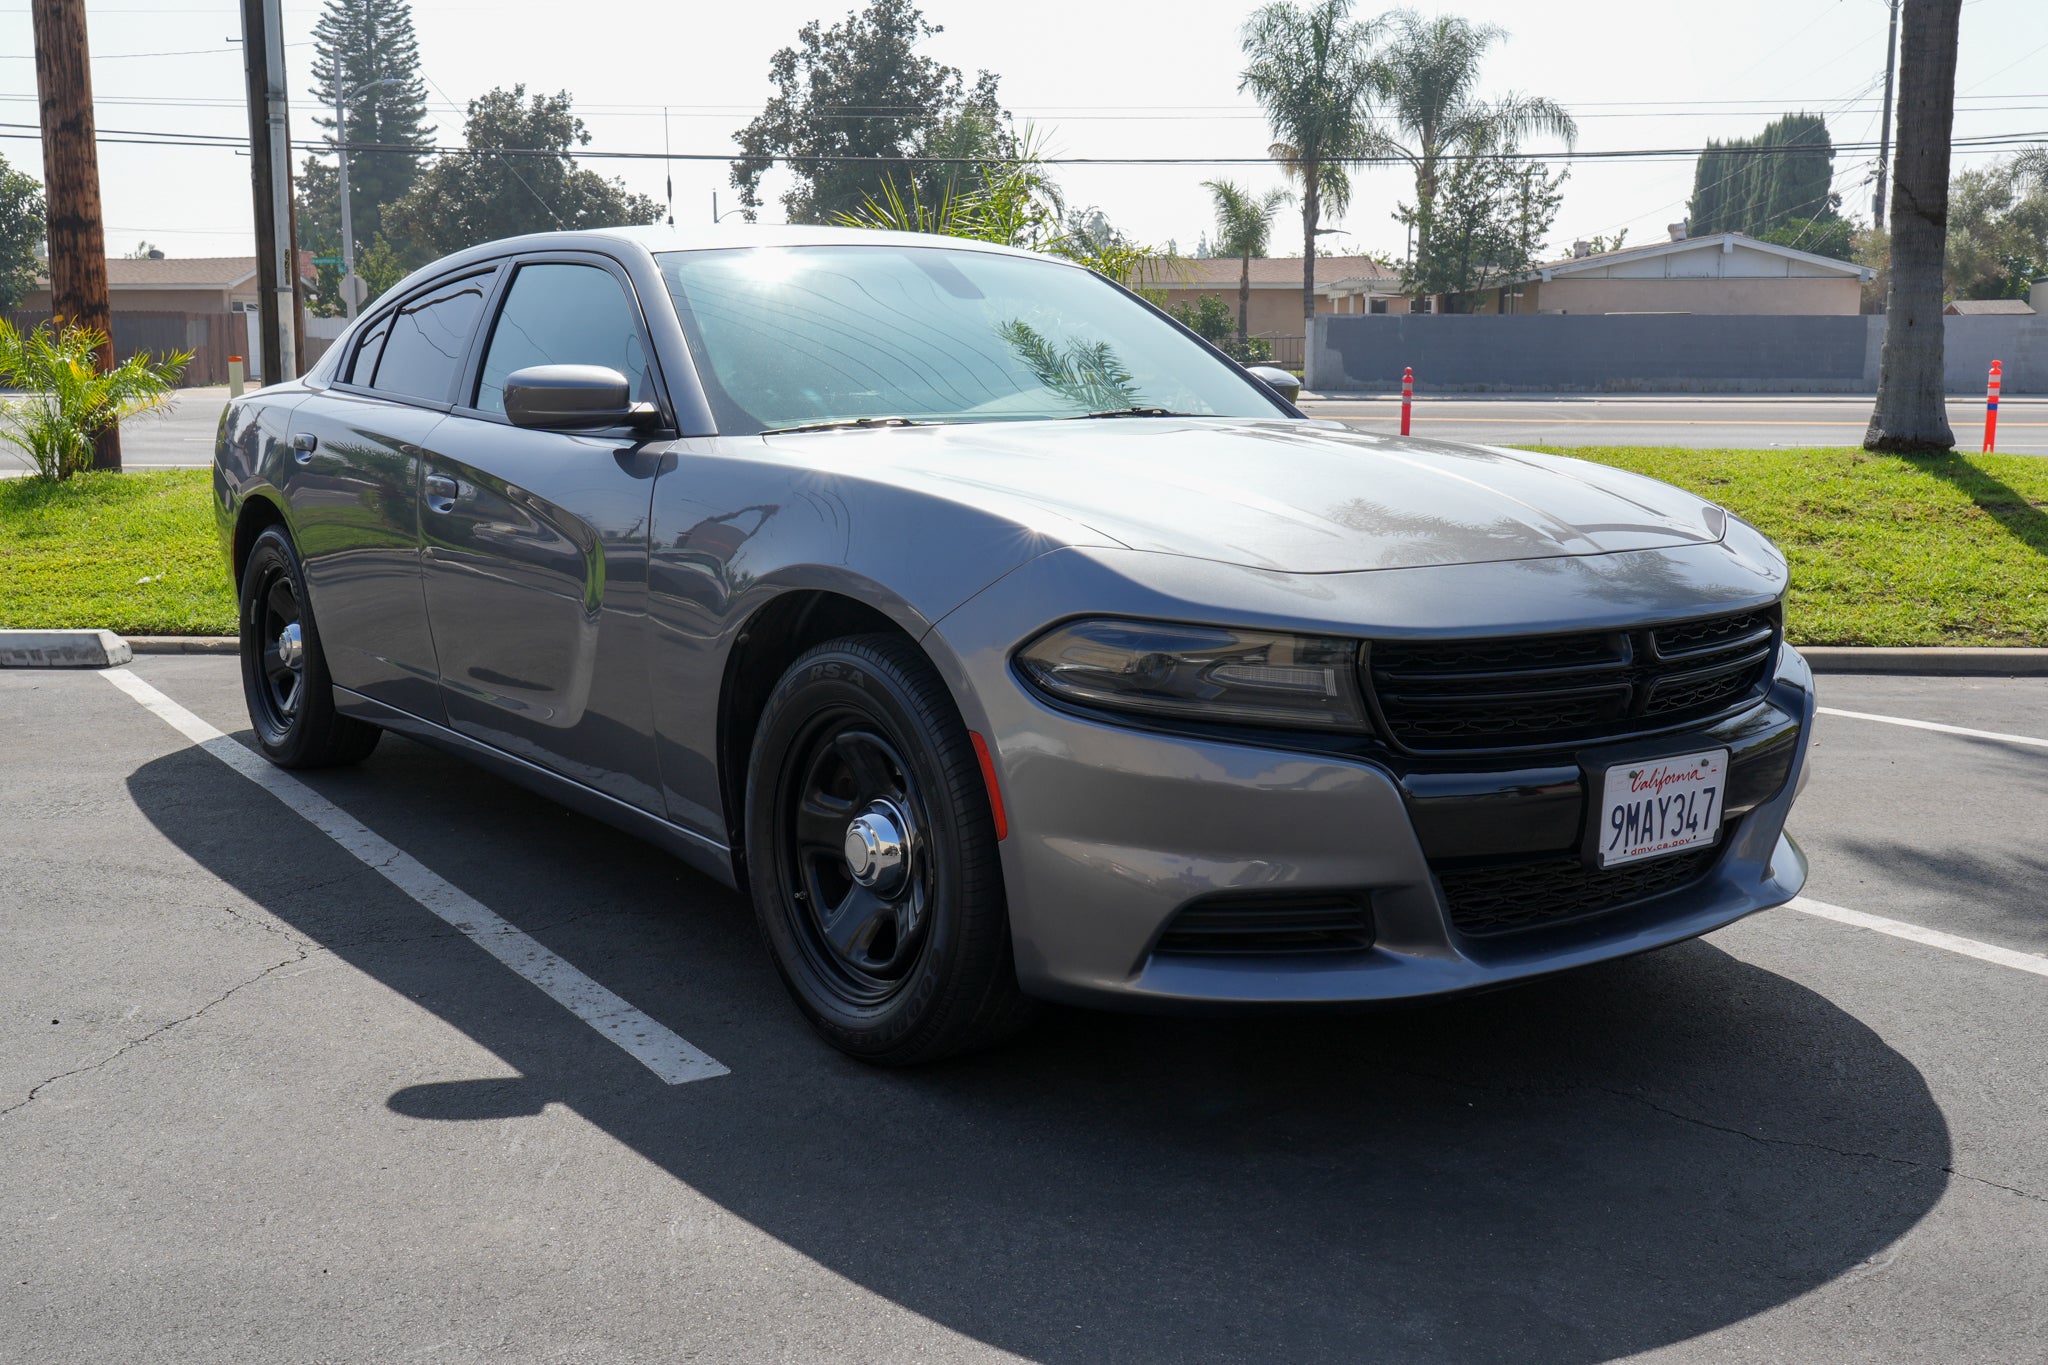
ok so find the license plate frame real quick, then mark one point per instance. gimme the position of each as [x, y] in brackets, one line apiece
[1654, 807]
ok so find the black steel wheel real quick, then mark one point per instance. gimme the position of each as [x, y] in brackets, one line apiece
[872, 857]
[284, 674]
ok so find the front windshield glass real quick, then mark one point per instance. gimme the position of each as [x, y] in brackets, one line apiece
[796, 335]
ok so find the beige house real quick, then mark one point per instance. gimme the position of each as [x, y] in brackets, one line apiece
[1725, 273]
[1275, 309]
[170, 284]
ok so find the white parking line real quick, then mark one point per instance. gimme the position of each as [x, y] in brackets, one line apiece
[657, 1047]
[1933, 938]
[1932, 725]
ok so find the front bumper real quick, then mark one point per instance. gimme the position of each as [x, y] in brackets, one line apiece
[1115, 830]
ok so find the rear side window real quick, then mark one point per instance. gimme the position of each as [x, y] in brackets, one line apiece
[564, 315]
[428, 335]
[364, 363]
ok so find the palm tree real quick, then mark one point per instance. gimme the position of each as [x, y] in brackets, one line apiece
[1424, 79]
[1244, 227]
[1311, 71]
[1910, 416]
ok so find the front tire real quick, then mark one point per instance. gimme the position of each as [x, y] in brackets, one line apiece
[284, 673]
[871, 850]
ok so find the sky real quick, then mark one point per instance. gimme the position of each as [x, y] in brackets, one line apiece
[1108, 78]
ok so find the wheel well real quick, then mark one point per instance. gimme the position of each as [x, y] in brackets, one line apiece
[257, 513]
[770, 642]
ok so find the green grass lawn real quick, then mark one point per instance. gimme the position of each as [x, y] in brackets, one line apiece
[1885, 550]
[134, 553]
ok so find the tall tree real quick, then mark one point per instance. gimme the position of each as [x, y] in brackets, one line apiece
[1910, 416]
[1759, 184]
[366, 48]
[519, 175]
[1426, 78]
[22, 225]
[1244, 228]
[861, 90]
[1311, 70]
[1492, 212]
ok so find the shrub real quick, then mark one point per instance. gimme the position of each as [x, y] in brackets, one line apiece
[67, 399]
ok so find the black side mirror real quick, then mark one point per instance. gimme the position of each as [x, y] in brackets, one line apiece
[1280, 381]
[566, 397]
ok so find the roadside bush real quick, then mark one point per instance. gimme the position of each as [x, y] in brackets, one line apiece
[1210, 318]
[67, 400]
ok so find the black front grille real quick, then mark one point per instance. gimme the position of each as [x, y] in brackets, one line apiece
[1271, 924]
[1500, 898]
[1544, 691]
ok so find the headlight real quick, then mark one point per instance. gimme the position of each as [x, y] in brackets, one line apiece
[1245, 677]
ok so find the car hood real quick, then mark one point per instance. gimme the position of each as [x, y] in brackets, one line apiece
[1291, 496]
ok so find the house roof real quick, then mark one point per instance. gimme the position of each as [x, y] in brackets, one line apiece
[1990, 308]
[188, 272]
[1267, 272]
[1725, 242]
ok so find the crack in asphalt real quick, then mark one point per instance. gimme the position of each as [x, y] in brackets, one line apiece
[1695, 1120]
[1762, 1140]
[300, 956]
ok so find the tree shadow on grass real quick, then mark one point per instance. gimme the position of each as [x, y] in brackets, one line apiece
[2013, 510]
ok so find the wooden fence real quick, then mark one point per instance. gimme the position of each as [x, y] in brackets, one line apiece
[210, 337]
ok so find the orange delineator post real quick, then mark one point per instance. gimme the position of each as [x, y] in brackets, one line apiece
[1991, 408]
[1407, 395]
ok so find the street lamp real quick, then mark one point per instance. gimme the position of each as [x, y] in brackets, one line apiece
[349, 286]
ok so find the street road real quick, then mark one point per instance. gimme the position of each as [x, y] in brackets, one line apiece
[1762, 421]
[183, 436]
[258, 1104]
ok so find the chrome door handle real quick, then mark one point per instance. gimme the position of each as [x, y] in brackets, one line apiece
[442, 492]
[304, 443]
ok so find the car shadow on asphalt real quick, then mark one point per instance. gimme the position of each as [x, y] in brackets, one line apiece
[1578, 1169]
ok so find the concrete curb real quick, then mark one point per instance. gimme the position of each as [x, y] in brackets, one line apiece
[184, 644]
[62, 649]
[1935, 661]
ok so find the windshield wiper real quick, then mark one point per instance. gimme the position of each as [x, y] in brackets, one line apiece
[1131, 412]
[849, 423]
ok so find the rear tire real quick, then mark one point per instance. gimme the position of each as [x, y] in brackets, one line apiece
[905, 958]
[284, 673]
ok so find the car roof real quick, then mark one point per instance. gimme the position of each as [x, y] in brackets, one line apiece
[713, 237]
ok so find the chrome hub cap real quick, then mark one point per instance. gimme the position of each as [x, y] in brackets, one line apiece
[291, 652]
[877, 848]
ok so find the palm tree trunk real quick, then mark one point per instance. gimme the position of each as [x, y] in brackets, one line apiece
[1425, 220]
[1311, 210]
[1911, 417]
[1244, 299]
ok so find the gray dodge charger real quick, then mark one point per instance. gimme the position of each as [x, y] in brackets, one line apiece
[1004, 641]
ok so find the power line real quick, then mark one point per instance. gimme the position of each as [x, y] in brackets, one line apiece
[148, 137]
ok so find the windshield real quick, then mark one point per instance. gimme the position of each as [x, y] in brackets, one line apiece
[799, 335]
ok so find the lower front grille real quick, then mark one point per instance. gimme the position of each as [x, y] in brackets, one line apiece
[1271, 924]
[1500, 898]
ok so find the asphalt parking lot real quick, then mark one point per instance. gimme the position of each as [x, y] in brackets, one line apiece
[258, 1103]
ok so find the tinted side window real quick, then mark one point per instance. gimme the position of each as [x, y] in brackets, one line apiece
[424, 352]
[564, 315]
[364, 363]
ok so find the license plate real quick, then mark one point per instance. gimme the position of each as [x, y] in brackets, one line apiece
[1662, 806]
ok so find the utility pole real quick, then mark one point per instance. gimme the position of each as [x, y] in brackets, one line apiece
[1884, 137]
[348, 227]
[270, 172]
[71, 182]
[350, 286]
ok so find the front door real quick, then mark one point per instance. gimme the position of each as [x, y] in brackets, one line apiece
[536, 546]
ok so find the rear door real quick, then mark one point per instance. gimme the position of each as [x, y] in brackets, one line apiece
[361, 447]
[536, 542]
